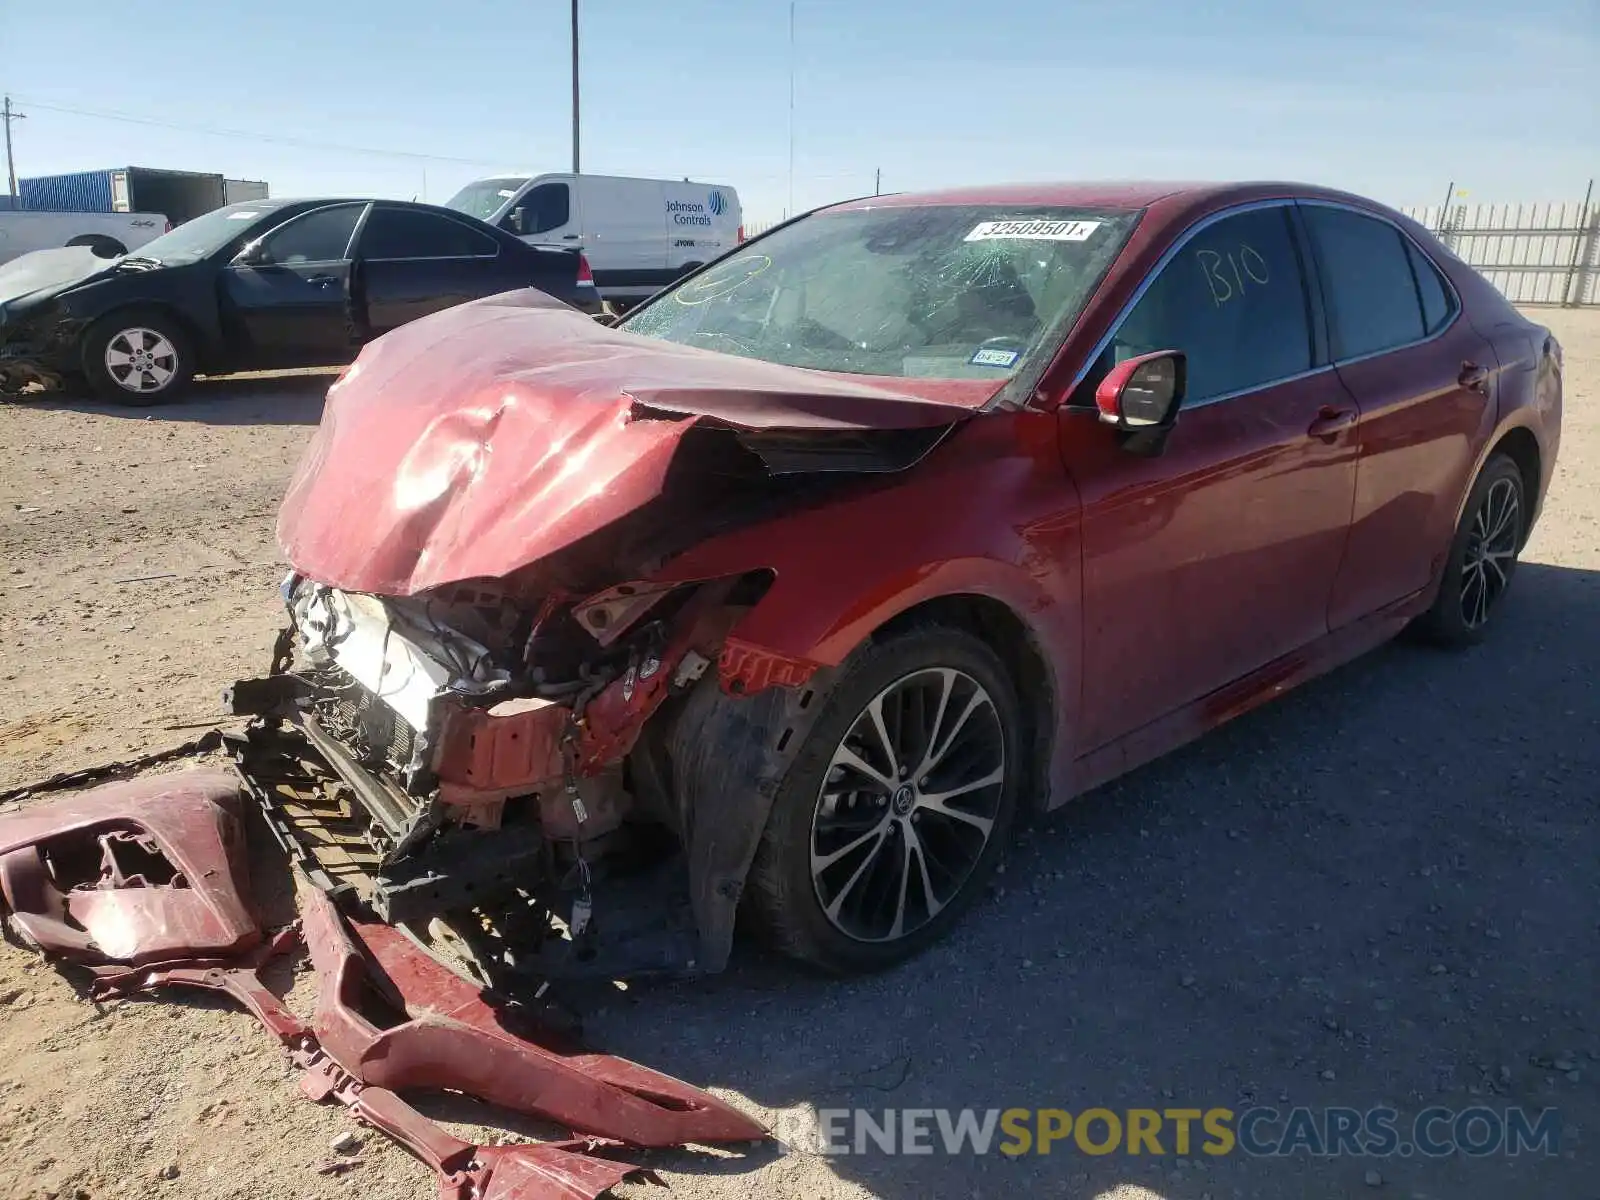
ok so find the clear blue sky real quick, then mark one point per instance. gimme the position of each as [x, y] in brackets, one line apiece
[1393, 98]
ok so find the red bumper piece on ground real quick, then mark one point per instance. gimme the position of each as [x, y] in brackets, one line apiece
[181, 920]
[454, 1040]
[132, 872]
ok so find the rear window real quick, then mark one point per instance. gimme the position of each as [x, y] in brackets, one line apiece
[954, 292]
[1367, 282]
[407, 233]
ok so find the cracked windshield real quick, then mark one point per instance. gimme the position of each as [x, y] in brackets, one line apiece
[953, 292]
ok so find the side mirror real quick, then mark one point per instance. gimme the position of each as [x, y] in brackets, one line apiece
[1140, 397]
[253, 254]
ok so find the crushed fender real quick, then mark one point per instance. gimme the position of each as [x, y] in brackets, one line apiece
[143, 883]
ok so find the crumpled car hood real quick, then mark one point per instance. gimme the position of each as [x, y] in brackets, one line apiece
[37, 276]
[476, 441]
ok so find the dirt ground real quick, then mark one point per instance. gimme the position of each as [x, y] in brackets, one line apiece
[1382, 889]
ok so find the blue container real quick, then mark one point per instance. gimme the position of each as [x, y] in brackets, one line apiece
[81, 191]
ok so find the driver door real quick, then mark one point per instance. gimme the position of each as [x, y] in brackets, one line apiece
[286, 298]
[1219, 556]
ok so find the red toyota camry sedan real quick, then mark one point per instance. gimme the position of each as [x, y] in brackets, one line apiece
[785, 596]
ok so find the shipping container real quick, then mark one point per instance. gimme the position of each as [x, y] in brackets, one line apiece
[177, 195]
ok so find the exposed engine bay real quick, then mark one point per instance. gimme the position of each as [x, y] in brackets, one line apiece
[498, 782]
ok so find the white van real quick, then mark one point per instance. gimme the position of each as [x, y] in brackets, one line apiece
[638, 234]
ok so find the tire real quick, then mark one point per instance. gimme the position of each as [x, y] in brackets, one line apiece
[102, 245]
[169, 361]
[1483, 557]
[851, 914]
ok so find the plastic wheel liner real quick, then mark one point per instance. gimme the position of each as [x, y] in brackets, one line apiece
[143, 883]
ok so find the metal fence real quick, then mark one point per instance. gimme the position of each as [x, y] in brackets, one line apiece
[1534, 253]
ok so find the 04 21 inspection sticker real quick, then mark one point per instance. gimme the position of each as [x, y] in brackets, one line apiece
[1037, 231]
[989, 356]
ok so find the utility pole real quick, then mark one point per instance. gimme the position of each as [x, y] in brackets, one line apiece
[9, 115]
[877, 182]
[575, 87]
[790, 211]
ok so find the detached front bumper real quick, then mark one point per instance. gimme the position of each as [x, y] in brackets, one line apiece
[150, 875]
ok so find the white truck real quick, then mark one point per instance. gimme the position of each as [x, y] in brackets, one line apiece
[638, 234]
[106, 233]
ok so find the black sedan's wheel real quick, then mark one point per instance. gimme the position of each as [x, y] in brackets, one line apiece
[137, 357]
[1483, 556]
[897, 808]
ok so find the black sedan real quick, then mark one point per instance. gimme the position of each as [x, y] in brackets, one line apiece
[256, 286]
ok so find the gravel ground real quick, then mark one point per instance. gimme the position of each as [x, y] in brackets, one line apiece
[1381, 889]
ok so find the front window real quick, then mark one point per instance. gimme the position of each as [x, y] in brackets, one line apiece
[205, 235]
[947, 291]
[546, 207]
[485, 197]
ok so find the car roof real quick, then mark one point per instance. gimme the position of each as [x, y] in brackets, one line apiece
[306, 203]
[1112, 194]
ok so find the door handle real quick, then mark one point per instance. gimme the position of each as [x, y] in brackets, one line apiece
[571, 237]
[1331, 421]
[1474, 377]
[322, 281]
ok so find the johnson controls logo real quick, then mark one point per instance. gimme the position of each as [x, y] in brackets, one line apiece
[684, 212]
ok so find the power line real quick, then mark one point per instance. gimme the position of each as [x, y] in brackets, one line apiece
[280, 139]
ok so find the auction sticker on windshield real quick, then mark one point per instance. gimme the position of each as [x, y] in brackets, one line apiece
[1039, 231]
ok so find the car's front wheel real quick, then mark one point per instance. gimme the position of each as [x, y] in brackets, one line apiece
[1483, 556]
[137, 357]
[896, 810]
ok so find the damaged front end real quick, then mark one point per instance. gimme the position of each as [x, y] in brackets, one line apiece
[490, 719]
[496, 782]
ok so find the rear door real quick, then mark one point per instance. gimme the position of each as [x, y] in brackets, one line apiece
[412, 262]
[286, 299]
[1217, 557]
[1424, 379]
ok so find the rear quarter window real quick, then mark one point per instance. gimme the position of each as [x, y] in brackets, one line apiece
[1438, 305]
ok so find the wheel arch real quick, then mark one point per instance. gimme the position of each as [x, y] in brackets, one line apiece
[91, 240]
[1521, 446]
[999, 627]
[203, 342]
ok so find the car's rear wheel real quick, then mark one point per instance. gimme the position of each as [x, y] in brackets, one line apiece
[1483, 556]
[137, 357]
[896, 810]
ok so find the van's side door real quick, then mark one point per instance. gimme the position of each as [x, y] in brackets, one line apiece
[625, 225]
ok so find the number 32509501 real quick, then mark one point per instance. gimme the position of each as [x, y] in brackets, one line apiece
[1230, 273]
